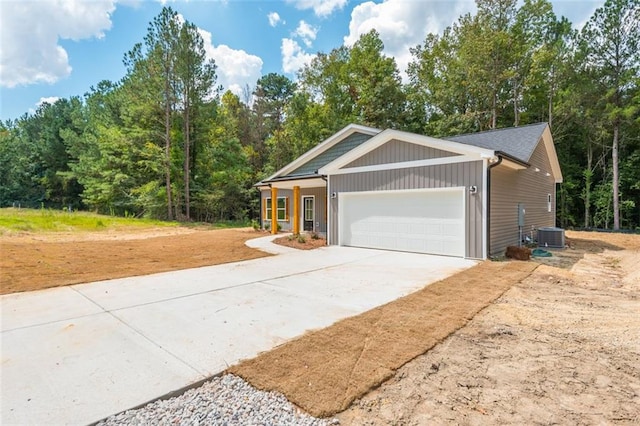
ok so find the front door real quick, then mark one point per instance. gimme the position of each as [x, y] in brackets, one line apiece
[308, 213]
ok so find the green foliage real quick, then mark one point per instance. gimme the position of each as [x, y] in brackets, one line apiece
[48, 220]
[163, 143]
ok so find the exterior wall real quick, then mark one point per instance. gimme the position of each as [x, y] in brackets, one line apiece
[440, 176]
[287, 225]
[320, 205]
[398, 151]
[510, 187]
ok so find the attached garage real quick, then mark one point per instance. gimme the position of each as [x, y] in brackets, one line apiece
[423, 221]
[395, 190]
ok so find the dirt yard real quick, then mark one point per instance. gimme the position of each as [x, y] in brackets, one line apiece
[561, 347]
[552, 343]
[36, 261]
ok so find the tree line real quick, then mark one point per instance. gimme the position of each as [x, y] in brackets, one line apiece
[166, 142]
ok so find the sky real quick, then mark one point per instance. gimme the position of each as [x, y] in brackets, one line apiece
[54, 49]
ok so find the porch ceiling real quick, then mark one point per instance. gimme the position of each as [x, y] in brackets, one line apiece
[302, 183]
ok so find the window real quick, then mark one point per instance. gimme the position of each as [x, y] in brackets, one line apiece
[282, 208]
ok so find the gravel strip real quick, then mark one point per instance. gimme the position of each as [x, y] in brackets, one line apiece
[226, 400]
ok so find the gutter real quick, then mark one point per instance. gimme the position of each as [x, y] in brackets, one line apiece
[488, 218]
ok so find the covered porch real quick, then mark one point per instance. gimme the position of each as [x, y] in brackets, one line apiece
[294, 204]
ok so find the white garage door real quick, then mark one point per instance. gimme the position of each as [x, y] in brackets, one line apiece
[422, 221]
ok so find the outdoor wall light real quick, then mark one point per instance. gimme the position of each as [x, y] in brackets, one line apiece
[334, 195]
[473, 190]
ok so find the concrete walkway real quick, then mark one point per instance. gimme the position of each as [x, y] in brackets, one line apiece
[77, 354]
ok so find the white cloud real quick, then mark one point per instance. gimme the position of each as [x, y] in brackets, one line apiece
[306, 32]
[49, 100]
[321, 8]
[236, 68]
[274, 19]
[403, 24]
[293, 57]
[30, 31]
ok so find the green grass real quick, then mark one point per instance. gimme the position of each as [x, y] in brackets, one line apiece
[28, 220]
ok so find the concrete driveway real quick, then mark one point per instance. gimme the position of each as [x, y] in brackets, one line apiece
[77, 354]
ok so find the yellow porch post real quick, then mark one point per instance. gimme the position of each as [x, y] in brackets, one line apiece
[296, 210]
[274, 210]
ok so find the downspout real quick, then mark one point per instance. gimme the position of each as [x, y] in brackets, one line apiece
[488, 218]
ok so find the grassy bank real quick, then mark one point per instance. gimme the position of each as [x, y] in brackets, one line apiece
[45, 220]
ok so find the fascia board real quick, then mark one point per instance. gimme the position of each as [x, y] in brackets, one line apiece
[407, 164]
[389, 135]
[552, 154]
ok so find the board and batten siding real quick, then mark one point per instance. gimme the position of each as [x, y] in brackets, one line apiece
[286, 225]
[320, 195]
[320, 207]
[396, 151]
[441, 176]
[530, 187]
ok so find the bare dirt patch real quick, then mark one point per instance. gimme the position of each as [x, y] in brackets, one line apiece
[307, 243]
[36, 261]
[324, 371]
[561, 347]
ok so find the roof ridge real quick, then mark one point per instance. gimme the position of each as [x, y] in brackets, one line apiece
[497, 130]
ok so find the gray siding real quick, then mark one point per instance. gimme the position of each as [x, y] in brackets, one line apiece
[331, 154]
[320, 207]
[286, 225]
[441, 176]
[510, 187]
[396, 151]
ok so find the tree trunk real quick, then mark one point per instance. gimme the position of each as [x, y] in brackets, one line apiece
[615, 183]
[516, 115]
[587, 187]
[167, 147]
[494, 112]
[187, 154]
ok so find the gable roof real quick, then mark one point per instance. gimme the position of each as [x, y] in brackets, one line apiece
[518, 142]
[353, 141]
[390, 134]
[325, 152]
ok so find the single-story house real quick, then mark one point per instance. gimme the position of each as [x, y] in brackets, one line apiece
[469, 196]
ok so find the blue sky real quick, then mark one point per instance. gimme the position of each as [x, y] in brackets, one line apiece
[60, 48]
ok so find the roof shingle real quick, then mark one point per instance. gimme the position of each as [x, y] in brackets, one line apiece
[518, 142]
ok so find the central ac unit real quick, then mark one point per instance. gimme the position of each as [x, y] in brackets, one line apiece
[551, 237]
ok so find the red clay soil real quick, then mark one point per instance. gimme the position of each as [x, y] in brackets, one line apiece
[306, 243]
[34, 262]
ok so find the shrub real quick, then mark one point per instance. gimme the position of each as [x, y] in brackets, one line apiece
[302, 239]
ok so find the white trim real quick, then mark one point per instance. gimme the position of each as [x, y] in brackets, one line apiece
[389, 135]
[407, 164]
[303, 211]
[277, 208]
[323, 146]
[485, 196]
[552, 154]
[302, 183]
[512, 164]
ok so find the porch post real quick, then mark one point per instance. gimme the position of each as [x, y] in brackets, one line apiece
[274, 210]
[296, 210]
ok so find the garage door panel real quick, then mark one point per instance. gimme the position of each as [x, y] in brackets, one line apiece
[416, 221]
